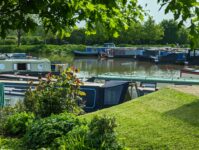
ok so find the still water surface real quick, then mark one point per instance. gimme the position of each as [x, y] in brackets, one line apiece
[93, 66]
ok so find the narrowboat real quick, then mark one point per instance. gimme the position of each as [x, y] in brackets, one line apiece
[98, 95]
[172, 57]
[123, 52]
[25, 66]
[94, 51]
[85, 53]
[102, 95]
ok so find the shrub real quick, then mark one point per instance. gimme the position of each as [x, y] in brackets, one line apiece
[44, 49]
[102, 135]
[8, 42]
[99, 134]
[16, 124]
[73, 140]
[52, 97]
[11, 144]
[8, 111]
[43, 132]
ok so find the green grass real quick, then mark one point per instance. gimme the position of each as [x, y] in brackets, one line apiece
[166, 119]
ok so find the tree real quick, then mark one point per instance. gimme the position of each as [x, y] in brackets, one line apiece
[61, 16]
[183, 11]
[183, 36]
[102, 35]
[151, 31]
[170, 31]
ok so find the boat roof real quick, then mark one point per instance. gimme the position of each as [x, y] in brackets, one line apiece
[26, 60]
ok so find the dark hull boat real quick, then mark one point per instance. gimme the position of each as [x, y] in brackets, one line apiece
[83, 53]
[99, 96]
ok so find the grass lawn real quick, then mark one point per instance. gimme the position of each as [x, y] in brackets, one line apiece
[166, 119]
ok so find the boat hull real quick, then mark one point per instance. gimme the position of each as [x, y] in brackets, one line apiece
[81, 53]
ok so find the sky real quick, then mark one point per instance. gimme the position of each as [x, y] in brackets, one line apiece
[152, 8]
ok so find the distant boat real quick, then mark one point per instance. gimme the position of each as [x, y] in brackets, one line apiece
[94, 51]
[21, 64]
[84, 53]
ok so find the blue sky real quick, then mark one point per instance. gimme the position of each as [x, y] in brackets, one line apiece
[153, 9]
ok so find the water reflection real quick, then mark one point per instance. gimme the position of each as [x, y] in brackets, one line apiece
[93, 66]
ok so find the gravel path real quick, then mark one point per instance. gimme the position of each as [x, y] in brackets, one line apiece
[187, 89]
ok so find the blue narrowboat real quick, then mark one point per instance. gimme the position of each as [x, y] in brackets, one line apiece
[99, 96]
[94, 51]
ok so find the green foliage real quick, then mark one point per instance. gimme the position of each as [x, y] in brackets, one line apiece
[183, 11]
[55, 95]
[173, 34]
[99, 134]
[8, 42]
[31, 40]
[76, 139]
[152, 32]
[8, 111]
[43, 132]
[17, 123]
[61, 16]
[11, 144]
[35, 49]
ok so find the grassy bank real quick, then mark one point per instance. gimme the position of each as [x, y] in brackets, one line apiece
[166, 119]
[57, 49]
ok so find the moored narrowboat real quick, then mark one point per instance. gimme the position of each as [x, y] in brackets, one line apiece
[25, 66]
[94, 51]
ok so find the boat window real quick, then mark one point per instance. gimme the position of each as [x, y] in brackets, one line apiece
[2, 66]
[21, 66]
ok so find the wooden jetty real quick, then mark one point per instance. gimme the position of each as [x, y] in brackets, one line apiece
[148, 79]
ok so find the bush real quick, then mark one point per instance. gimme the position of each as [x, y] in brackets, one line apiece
[43, 132]
[8, 111]
[8, 42]
[99, 134]
[26, 40]
[44, 49]
[52, 97]
[73, 140]
[16, 124]
[11, 144]
[102, 135]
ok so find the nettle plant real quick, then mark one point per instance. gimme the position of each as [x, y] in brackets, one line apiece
[56, 95]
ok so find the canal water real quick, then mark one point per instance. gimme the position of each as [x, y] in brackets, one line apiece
[92, 66]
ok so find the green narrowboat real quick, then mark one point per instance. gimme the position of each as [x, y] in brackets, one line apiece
[25, 66]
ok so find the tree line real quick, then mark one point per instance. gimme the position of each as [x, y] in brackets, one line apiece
[148, 32]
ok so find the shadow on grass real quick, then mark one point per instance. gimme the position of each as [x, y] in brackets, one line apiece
[188, 113]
